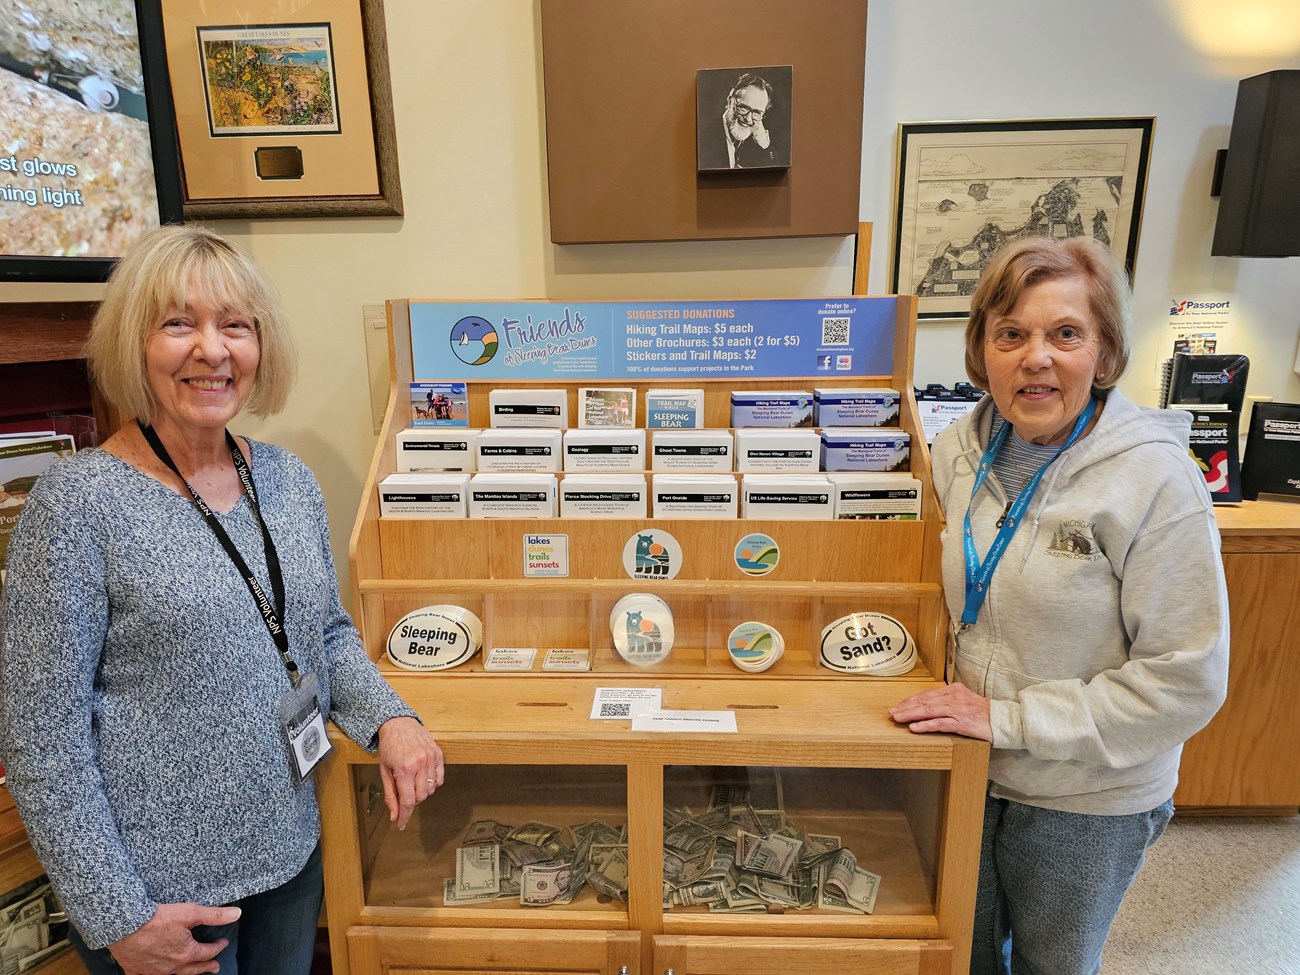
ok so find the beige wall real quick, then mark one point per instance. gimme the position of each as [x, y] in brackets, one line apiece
[468, 94]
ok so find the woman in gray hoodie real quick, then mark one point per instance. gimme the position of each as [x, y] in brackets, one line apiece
[1081, 565]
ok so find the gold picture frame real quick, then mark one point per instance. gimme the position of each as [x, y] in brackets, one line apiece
[965, 187]
[283, 108]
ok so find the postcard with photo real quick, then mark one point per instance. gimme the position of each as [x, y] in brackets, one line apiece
[742, 118]
[607, 406]
[439, 405]
[273, 79]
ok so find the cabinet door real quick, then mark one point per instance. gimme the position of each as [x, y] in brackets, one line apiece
[801, 956]
[1245, 757]
[484, 951]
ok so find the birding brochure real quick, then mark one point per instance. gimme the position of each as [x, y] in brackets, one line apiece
[24, 458]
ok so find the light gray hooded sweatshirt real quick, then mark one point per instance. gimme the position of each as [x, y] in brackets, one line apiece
[1103, 643]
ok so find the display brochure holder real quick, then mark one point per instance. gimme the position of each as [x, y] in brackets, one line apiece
[1271, 469]
[1212, 388]
[519, 743]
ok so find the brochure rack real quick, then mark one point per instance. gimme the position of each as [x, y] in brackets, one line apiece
[521, 747]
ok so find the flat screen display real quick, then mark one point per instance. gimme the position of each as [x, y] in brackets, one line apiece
[88, 157]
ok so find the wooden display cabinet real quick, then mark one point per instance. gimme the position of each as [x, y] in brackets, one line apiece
[50, 333]
[1243, 761]
[18, 865]
[522, 747]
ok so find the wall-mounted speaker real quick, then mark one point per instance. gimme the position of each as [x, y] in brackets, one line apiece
[1259, 204]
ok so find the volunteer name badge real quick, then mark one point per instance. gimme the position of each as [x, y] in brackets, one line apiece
[303, 725]
[435, 638]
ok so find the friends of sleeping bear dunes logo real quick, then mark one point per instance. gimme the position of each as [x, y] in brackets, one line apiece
[474, 340]
[1074, 540]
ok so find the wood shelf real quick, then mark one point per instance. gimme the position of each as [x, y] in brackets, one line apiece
[522, 746]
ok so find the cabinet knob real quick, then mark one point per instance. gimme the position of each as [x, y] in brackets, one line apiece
[623, 970]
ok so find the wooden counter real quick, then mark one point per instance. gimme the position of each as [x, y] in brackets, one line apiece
[1244, 761]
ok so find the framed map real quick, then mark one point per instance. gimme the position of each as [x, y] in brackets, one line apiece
[965, 188]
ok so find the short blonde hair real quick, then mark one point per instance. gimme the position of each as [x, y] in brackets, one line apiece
[164, 270]
[1020, 264]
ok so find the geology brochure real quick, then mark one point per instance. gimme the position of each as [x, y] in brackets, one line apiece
[507, 342]
[1271, 470]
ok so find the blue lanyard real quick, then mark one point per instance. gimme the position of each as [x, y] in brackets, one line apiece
[978, 574]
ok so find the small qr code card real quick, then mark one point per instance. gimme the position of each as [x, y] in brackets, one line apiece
[621, 703]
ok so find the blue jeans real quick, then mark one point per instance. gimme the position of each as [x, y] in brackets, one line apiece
[1051, 883]
[275, 934]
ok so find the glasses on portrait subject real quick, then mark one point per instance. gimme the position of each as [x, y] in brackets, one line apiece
[746, 112]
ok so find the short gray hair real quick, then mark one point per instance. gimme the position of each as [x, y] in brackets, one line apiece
[1020, 264]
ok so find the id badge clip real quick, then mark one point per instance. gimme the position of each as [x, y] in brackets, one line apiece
[303, 725]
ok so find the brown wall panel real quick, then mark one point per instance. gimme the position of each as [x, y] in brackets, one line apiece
[620, 118]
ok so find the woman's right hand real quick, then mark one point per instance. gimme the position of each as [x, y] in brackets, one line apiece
[164, 944]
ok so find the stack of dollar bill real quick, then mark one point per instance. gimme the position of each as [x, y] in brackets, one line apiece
[537, 864]
[738, 859]
[28, 917]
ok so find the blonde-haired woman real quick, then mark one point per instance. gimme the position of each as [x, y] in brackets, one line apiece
[174, 642]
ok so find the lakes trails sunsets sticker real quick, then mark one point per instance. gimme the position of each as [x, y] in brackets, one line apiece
[757, 554]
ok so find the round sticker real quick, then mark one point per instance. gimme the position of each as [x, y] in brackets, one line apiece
[868, 643]
[642, 626]
[754, 646]
[652, 554]
[435, 638]
[757, 554]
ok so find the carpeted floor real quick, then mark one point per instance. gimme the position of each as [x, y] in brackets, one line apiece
[1217, 896]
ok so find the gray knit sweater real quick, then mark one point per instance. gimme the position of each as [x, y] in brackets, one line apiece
[140, 688]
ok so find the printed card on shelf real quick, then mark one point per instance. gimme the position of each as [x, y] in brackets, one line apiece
[510, 658]
[607, 407]
[567, 658]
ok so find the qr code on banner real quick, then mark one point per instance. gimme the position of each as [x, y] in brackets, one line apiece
[835, 331]
[616, 710]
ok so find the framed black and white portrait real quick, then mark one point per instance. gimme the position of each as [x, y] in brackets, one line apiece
[742, 118]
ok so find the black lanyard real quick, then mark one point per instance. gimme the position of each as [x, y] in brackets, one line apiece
[270, 615]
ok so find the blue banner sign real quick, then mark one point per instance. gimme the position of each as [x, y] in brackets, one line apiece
[648, 340]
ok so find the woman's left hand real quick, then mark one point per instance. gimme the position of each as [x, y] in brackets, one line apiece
[954, 708]
[410, 764]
